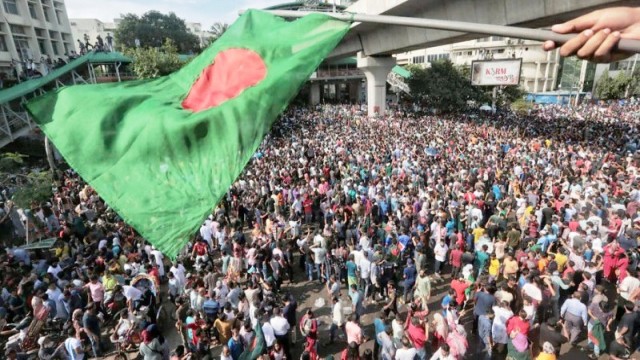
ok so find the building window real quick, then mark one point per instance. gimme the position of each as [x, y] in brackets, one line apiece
[58, 17]
[39, 32]
[46, 14]
[17, 29]
[11, 7]
[54, 46]
[619, 65]
[418, 59]
[22, 45]
[3, 44]
[32, 11]
[43, 48]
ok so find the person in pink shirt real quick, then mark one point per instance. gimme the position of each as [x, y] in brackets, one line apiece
[353, 330]
[96, 291]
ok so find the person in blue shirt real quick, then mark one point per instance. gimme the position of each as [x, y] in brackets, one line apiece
[352, 268]
[496, 191]
[546, 240]
[210, 307]
[379, 326]
[235, 345]
[410, 274]
[356, 300]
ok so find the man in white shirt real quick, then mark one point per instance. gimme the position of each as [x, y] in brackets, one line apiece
[364, 267]
[337, 319]
[407, 352]
[319, 258]
[158, 257]
[281, 329]
[267, 330]
[207, 234]
[440, 253]
[179, 272]
[54, 269]
[73, 345]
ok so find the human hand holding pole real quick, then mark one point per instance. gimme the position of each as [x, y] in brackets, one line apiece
[599, 33]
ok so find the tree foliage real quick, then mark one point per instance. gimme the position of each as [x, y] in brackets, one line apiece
[36, 187]
[33, 186]
[613, 88]
[149, 63]
[217, 30]
[443, 87]
[152, 29]
[521, 107]
[9, 162]
[507, 95]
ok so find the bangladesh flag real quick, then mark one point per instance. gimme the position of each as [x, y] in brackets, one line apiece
[257, 347]
[163, 152]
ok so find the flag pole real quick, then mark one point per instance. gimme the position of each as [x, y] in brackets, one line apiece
[460, 26]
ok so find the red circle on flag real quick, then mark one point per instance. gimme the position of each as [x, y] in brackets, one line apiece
[232, 72]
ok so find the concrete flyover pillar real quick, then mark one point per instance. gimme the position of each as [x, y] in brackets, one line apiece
[376, 70]
[314, 93]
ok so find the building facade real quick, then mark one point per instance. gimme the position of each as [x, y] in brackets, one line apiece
[91, 28]
[203, 35]
[31, 31]
[539, 68]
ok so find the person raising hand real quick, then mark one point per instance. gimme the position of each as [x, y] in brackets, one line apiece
[599, 33]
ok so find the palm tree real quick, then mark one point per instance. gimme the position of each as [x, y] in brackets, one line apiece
[217, 30]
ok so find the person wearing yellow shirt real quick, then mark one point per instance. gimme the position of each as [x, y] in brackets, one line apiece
[494, 266]
[477, 233]
[109, 282]
[547, 353]
[561, 260]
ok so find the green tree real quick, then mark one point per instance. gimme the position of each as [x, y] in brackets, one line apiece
[152, 29]
[149, 63]
[217, 30]
[508, 95]
[443, 87]
[36, 187]
[33, 186]
[9, 162]
[612, 88]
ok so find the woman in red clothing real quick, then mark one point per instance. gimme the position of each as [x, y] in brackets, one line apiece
[611, 255]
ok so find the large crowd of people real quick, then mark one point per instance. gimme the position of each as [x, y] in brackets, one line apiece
[484, 235]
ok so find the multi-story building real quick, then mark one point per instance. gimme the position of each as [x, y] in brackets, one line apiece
[30, 31]
[91, 28]
[539, 68]
[203, 35]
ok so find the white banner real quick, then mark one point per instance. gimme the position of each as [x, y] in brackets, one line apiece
[496, 72]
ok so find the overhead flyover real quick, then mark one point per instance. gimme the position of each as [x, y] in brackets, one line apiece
[92, 68]
[386, 40]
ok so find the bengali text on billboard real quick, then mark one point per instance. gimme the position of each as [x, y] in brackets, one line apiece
[496, 72]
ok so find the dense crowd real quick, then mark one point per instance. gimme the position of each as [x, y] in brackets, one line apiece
[523, 227]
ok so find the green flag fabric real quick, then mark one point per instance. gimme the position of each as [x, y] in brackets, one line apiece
[257, 347]
[163, 152]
